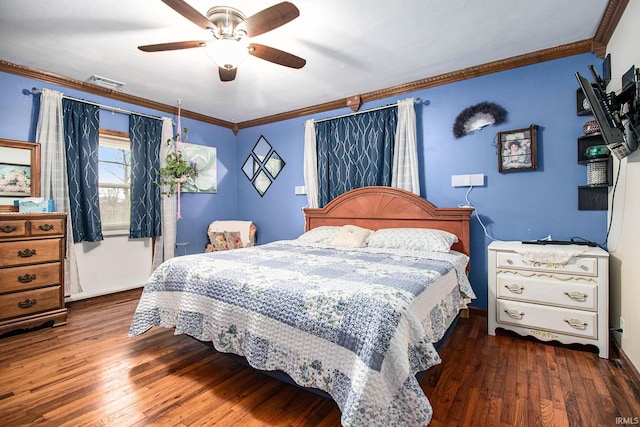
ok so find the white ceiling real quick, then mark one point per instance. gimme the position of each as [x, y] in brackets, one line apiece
[351, 46]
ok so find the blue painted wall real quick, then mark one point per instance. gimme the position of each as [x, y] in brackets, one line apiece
[513, 206]
[17, 121]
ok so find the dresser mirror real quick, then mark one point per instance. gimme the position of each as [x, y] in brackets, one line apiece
[19, 172]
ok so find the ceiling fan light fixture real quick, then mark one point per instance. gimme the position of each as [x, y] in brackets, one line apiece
[227, 53]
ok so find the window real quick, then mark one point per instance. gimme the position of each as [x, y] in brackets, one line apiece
[115, 180]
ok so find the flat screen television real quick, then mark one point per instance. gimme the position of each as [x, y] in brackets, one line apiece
[611, 128]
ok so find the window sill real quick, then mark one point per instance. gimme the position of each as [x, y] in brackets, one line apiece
[110, 233]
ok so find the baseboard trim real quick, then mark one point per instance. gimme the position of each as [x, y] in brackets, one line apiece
[627, 365]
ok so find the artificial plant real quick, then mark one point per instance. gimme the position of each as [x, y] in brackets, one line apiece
[177, 170]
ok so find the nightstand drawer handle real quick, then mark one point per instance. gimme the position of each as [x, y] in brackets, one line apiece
[8, 228]
[509, 261]
[514, 313]
[577, 296]
[27, 278]
[516, 289]
[576, 323]
[45, 227]
[26, 253]
[27, 303]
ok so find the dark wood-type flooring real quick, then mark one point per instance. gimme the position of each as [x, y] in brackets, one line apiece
[90, 373]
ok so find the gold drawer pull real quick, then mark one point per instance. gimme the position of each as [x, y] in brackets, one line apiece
[516, 289]
[576, 323]
[27, 278]
[27, 303]
[45, 227]
[8, 228]
[514, 313]
[26, 253]
[577, 296]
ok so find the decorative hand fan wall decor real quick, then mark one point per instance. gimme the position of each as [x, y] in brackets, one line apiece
[478, 116]
[230, 29]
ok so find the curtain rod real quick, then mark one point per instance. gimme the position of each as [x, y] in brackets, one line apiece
[416, 101]
[101, 106]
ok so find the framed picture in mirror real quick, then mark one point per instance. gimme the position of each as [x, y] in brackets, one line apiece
[19, 172]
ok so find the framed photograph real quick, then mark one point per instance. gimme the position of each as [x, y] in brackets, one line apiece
[518, 150]
[19, 172]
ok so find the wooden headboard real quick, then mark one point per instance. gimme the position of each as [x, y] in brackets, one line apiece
[387, 207]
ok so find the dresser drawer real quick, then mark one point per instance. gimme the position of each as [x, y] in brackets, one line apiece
[29, 252]
[585, 266]
[28, 302]
[14, 279]
[46, 227]
[554, 319]
[537, 288]
[17, 228]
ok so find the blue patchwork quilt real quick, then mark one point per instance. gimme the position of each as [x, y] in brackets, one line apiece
[356, 323]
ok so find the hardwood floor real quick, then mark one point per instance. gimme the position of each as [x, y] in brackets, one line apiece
[90, 373]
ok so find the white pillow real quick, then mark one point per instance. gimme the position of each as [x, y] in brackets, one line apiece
[416, 239]
[351, 236]
[320, 234]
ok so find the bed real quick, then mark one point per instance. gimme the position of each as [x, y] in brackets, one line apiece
[350, 315]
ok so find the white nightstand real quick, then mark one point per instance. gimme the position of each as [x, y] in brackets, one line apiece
[551, 292]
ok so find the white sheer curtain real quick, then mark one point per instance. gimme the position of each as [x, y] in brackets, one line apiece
[165, 246]
[50, 135]
[405, 155]
[310, 164]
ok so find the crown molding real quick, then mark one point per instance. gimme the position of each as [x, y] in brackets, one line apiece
[608, 23]
[55, 79]
[557, 52]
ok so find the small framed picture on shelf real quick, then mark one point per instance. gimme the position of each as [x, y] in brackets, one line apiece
[582, 104]
[518, 150]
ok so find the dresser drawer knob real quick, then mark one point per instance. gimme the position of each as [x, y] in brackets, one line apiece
[577, 296]
[27, 278]
[514, 313]
[8, 228]
[516, 289]
[45, 227]
[27, 303]
[26, 253]
[509, 261]
[576, 323]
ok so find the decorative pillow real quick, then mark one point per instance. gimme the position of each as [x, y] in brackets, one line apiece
[351, 236]
[416, 239]
[218, 241]
[320, 234]
[234, 241]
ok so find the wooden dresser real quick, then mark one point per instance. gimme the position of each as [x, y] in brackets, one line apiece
[32, 250]
[565, 298]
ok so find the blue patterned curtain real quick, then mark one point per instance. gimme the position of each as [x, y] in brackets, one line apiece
[145, 134]
[81, 137]
[355, 151]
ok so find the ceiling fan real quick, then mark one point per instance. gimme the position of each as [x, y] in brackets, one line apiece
[230, 29]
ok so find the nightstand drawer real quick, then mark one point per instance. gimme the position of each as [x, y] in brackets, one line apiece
[554, 319]
[14, 279]
[538, 289]
[28, 302]
[29, 252]
[585, 266]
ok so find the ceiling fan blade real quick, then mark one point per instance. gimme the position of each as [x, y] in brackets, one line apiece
[172, 46]
[189, 12]
[276, 56]
[269, 18]
[226, 74]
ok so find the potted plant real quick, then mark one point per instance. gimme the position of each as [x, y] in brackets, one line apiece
[177, 169]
